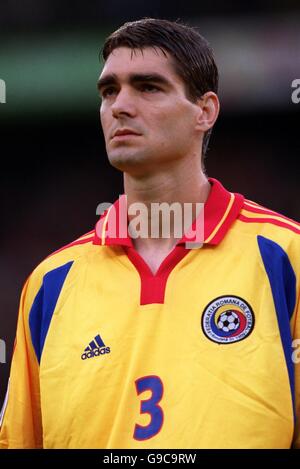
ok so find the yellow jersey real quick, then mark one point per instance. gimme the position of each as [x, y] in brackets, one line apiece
[201, 354]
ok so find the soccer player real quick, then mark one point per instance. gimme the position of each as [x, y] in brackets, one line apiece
[178, 341]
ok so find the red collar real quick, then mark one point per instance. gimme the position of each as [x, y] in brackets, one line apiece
[220, 211]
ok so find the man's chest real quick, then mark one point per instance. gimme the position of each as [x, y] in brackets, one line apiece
[204, 306]
[211, 344]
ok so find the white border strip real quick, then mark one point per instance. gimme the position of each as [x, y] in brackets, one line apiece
[4, 405]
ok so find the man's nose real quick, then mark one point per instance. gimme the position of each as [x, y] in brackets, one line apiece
[123, 104]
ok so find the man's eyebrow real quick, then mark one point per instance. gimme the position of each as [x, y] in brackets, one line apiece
[111, 79]
[106, 80]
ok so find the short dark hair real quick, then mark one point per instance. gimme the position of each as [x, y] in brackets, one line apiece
[193, 58]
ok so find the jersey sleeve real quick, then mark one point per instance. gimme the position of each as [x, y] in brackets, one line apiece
[296, 360]
[20, 418]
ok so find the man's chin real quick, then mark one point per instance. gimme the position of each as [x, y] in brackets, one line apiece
[127, 162]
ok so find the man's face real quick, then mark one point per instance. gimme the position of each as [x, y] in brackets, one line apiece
[142, 93]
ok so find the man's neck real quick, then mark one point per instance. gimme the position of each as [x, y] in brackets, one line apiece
[181, 185]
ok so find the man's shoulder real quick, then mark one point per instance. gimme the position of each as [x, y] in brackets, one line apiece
[65, 255]
[260, 220]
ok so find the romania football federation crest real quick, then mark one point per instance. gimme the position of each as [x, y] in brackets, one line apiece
[227, 319]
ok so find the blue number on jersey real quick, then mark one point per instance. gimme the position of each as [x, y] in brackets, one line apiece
[150, 406]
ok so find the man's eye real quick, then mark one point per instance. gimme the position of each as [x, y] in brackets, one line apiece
[148, 87]
[107, 92]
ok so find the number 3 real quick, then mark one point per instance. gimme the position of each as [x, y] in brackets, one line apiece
[150, 406]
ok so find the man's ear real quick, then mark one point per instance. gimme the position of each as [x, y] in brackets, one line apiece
[209, 107]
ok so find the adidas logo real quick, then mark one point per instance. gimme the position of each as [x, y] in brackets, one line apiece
[95, 348]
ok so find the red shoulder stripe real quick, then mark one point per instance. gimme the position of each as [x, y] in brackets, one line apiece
[268, 212]
[88, 233]
[74, 243]
[272, 221]
[253, 203]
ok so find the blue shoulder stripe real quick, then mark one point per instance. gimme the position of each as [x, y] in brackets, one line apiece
[44, 305]
[282, 280]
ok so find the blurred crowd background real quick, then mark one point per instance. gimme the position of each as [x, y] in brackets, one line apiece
[54, 169]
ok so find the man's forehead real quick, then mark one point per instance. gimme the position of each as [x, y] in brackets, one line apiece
[123, 61]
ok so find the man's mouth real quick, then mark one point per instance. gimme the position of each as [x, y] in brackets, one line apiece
[124, 133]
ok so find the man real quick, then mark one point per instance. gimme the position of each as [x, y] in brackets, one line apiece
[128, 341]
